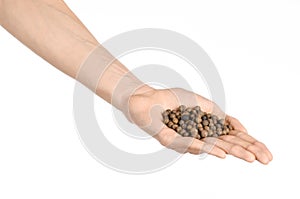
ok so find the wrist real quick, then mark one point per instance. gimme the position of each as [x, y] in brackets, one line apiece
[125, 101]
[128, 87]
[144, 89]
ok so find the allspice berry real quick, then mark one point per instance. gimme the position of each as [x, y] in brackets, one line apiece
[175, 120]
[193, 122]
[204, 134]
[205, 122]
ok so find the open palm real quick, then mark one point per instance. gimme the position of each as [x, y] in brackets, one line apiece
[145, 109]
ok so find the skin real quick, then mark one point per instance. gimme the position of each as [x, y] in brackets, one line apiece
[51, 30]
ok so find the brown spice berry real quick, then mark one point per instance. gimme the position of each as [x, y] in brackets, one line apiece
[191, 121]
[175, 120]
[194, 131]
[198, 120]
[189, 127]
[199, 126]
[185, 117]
[186, 134]
[205, 122]
[181, 108]
[172, 115]
[204, 134]
[197, 108]
[166, 120]
[170, 124]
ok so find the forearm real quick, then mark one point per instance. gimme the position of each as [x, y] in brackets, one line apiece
[51, 30]
[109, 78]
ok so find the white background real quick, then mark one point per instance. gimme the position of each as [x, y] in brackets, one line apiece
[255, 46]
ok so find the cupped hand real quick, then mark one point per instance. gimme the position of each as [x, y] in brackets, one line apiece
[145, 109]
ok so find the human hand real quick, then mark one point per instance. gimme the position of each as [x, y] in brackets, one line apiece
[145, 109]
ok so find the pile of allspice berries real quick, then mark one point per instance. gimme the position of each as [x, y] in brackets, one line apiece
[193, 122]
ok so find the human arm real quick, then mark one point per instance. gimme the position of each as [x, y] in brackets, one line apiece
[51, 30]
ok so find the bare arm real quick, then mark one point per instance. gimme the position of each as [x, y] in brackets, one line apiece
[51, 30]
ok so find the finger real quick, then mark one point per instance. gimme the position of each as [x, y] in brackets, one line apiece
[198, 147]
[232, 149]
[262, 145]
[172, 140]
[259, 152]
[252, 140]
[237, 125]
[243, 136]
